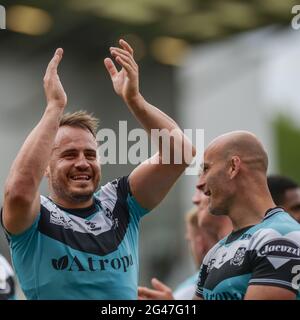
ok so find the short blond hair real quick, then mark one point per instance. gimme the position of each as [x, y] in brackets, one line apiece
[80, 119]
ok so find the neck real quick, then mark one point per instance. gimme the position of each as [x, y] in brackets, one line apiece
[71, 204]
[250, 209]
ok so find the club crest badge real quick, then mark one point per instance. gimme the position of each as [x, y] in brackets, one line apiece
[239, 257]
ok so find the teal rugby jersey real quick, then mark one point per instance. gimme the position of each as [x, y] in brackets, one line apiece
[89, 253]
[264, 254]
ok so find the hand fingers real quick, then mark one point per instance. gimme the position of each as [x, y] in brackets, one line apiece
[53, 64]
[158, 285]
[125, 55]
[125, 45]
[122, 51]
[142, 297]
[110, 67]
[59, 52]
[141, 290]
[149, 293]
[127, 67]
[126, 59]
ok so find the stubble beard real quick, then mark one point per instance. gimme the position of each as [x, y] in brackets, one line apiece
[69, 196]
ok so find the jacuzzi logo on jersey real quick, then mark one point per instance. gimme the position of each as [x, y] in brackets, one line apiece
[282, 248]
[75, 264]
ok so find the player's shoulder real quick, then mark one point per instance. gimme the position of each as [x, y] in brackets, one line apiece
[45, 200]
[279, 221]
[113, 189]
[277, 230]
[47, 204]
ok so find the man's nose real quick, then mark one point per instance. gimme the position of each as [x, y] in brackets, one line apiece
[81, 163]
[196, 196]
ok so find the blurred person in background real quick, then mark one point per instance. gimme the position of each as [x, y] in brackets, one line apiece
[285, 193]
[78, 244]
[7, 282]
[203, 231]
[196, 238]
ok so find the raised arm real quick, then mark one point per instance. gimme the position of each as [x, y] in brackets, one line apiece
[151, 180]
[21, 198]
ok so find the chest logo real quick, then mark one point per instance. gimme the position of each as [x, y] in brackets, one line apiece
[239, 257]
[60, 220]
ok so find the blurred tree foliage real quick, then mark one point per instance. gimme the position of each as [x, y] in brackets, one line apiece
[287, 135]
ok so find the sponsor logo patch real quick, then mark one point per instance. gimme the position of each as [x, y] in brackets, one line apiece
[280, 251]
[91, 264]
[280, 248]
[60, 220]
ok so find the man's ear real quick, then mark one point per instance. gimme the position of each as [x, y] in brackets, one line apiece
[235, 165]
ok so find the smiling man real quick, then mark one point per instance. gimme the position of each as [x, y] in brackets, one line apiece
[260, 258]
[78, 243]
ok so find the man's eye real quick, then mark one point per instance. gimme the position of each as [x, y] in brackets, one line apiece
[91, 156]
[69, 156]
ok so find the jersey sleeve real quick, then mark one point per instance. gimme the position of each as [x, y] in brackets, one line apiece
[22, 240]
[275, 260]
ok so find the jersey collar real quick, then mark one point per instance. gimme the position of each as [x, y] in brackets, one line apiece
[270, 212]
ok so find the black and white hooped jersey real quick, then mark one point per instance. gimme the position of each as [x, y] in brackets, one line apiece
[264, 254]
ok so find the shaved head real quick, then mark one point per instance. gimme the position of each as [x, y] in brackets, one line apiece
[232, 163]
[243, 144]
